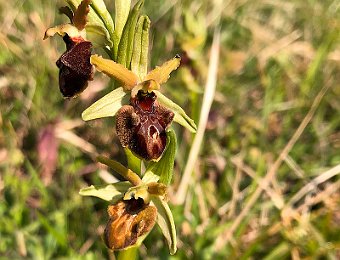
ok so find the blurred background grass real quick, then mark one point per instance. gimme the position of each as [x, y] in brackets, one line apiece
[279, 61]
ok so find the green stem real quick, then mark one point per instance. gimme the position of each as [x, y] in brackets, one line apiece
[128, 254]
[134, 163]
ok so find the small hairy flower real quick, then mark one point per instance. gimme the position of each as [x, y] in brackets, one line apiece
[143, 114]
[130, 221]
[141, 126]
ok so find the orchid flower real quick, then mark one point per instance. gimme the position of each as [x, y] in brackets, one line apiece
[143, 113]
[136, 205]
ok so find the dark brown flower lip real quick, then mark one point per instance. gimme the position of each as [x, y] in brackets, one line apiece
[129, 221]
[75, 69]
[141, 126]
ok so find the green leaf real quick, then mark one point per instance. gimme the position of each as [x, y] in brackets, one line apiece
[180, 116]
[122, 8]
[166, 223]
[139, 62]
[100, 9]
[114, 191]
[98, 35]
[107, 105]
[126, 42]
[165, 166]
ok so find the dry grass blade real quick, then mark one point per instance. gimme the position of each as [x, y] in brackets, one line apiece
[206, 105]
[225, 237]
[274, 196]
[315, 182]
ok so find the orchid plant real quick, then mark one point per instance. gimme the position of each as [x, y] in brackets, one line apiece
[143, 115]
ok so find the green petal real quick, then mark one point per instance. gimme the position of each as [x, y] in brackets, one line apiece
[164, 167]
[107, 105]
[149, 177]
[139, 61]
[180, 116]
[110, 192]
[166, 222]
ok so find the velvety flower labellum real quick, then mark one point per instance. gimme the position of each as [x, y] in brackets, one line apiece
[75, 69]
[141, 125]
[129, 220]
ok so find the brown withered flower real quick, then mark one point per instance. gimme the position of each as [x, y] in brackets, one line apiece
[141, 126]
[75, 69]
[130, 221]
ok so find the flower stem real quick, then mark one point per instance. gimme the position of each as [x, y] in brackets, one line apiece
[134, 163]
[128, 254]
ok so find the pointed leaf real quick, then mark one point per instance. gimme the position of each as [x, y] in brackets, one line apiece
[114, 191]
[106, 106]
[166, 222]
[164, 167]
[122, 8]
[139, 61]
[126, 42]
[115, 70]
[100, 9]
[162, 73]
[80, 15]
[180, 116]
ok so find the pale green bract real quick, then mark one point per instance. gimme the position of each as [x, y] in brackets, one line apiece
[106, 106]
[165, 221]
[164, 167]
